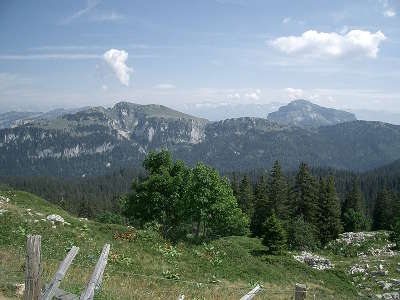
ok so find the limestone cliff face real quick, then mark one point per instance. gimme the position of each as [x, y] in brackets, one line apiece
[126, 132]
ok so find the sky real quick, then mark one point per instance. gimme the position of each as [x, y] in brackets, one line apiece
[74, 53]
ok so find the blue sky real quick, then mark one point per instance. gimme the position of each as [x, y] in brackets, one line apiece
[71, 53]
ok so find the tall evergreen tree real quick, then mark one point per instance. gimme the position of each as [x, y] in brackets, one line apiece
[245, 197]
[304, 195]
[329, 223]
[353, 199]
[262, 208]
[278, 191]
[382, 214]
[274, 235]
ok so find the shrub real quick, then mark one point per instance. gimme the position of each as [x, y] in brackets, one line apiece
[355, 221]
[301, 235]
[110, 218]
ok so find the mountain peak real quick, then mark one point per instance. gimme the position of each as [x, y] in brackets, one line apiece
[307, 114]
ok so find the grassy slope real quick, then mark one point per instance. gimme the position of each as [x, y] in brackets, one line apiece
[224, 269]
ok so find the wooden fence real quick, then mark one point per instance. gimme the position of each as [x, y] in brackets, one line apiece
[33, 276]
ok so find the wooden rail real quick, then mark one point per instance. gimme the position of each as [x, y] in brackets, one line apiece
[33, 274]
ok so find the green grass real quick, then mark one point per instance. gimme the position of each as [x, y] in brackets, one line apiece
[149, 267]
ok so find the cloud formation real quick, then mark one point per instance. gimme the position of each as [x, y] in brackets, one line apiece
[165, 86]
[116, 59]
[390, 13]
[331, 44]
[294, 94]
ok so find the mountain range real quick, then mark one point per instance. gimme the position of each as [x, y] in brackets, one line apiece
[96, 140]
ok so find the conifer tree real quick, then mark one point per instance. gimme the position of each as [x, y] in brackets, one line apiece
[329, 223]
[278, 191]
[304, 196]
[262, 208]
[245, 197]
[274, 235]
[353, 199]
[382, 215]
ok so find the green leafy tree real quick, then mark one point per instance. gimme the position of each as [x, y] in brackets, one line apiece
[304, 195]
[211, 204]
[329, 222]
[262, 208]
[180, 199]
[274, 235]
[162, 195]
[278, 191]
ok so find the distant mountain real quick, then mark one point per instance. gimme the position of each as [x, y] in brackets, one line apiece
[306, 114]
[381, 116]
[9, 119]
[97, 140]
[221, 111]
[16, 118]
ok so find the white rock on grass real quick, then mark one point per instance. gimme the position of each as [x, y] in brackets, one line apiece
[19, 289]
[357, 269]
[55, 218]
[314, 261]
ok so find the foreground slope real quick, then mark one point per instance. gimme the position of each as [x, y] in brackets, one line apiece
[142, 265]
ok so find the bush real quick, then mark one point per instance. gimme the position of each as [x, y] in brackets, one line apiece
[302, 235]
[355, 221]
[274, 236]
[110, 218]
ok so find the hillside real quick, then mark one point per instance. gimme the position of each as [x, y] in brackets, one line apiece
[142, 265]
[307, 114]
[98, 140]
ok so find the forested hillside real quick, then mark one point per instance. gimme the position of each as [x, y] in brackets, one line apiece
[96, 141]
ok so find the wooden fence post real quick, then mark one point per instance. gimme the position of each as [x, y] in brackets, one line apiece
[33, 268]
[300, 292]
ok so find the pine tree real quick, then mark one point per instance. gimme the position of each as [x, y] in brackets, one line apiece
[274, 235]
[382, 215]
[245, 197]
[304, 195]
[278, 191]
[262, 208]
[329, 223]
[235, 185]
[353, 199]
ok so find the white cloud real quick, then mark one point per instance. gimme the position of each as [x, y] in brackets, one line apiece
[89, 6]
[108, 17]
[286, 20]
[234, 96]
[390, 13]
[165, 86]
[116, 59]
[254, 95]
[331, 44]
[68, 56]
[294, 94]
